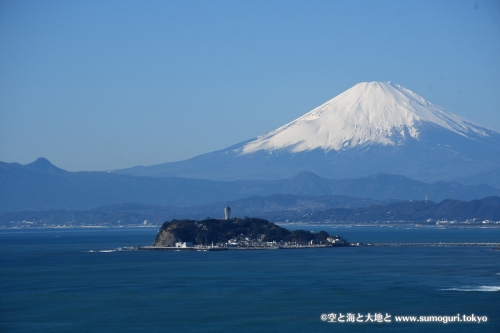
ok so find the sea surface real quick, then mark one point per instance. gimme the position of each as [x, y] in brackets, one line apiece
[85, 280]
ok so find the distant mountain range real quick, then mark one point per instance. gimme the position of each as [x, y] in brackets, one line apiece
[277, 208]
[416, 211]
[127, 214]
[42, 186]
[491, 178]
[374, 127]
[375, 144]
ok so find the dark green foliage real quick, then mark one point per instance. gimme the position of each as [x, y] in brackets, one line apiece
[301, 236]
[220, 231]
[322, 236]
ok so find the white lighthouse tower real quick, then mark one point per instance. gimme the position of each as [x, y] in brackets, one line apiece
[227, 212]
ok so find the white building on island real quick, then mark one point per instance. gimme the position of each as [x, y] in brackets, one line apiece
[184, 244]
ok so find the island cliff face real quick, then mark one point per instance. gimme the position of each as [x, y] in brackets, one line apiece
[165, 238]
[215, 231]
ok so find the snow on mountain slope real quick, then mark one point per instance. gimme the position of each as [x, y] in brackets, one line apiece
[368, 113]
[371, 128]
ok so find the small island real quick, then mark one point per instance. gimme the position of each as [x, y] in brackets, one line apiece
[237, 234]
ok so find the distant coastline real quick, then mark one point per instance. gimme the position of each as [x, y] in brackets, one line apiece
[22, 226]
[280, 209]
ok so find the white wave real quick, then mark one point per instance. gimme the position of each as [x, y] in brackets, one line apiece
[125, 248]
[96, 251]
[475, 288]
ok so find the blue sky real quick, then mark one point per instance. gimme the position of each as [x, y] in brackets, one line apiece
[97, 85]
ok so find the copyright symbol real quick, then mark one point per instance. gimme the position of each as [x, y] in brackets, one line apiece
[324, 317]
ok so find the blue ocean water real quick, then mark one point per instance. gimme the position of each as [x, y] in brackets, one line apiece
[72, 280]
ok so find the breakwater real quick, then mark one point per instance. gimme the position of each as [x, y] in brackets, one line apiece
[433, 244]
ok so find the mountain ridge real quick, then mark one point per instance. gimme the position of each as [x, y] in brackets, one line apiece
[22, 188]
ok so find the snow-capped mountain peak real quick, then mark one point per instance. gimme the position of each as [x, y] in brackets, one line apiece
[369, 113]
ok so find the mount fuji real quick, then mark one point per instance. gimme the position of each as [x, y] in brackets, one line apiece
[373, 127]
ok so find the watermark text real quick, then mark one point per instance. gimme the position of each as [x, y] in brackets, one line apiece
[387, 318]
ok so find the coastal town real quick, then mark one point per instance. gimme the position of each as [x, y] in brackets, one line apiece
[258, 243]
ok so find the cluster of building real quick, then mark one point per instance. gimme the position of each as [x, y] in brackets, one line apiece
[467, 221]
[259, 242]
